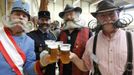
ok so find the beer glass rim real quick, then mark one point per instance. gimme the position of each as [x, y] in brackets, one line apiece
[49, 41]
[59, 42]
[53, 45]
[65, 48]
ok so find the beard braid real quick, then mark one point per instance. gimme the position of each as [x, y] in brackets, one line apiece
[71, 25]
[12, 23]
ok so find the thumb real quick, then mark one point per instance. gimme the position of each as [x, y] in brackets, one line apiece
[44, 58]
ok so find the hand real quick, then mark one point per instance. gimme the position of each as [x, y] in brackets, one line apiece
[44, 58]
[72, 56]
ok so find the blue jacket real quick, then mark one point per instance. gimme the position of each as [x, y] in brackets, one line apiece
[27, 46]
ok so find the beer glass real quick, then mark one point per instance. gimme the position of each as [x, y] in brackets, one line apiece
[53, 47]
[59, 43]
[64, 53]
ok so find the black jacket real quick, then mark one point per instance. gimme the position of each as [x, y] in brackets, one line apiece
[39, 39]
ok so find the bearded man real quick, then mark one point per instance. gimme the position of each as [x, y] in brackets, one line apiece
[16, 48]
[40, 35]
[74, 33]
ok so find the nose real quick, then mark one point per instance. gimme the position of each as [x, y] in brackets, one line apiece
[45, 21]
[108, 18]
[21, 17]
[68, 17]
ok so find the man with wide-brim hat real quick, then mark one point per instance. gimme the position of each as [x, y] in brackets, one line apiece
[74, 33]
[69, 8]
[107, 53]
[106, 5]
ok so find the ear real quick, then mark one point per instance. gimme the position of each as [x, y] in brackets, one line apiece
[118, 12]
[77, 14]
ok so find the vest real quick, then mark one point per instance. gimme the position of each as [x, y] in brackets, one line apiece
[79, 48]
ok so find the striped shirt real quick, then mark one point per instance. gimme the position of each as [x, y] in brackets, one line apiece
[111, 54]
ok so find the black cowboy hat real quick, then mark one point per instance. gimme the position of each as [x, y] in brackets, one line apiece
[69, 8]
[44, 14]
[105, 6]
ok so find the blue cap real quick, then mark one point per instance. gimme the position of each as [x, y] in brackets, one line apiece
[21, 6]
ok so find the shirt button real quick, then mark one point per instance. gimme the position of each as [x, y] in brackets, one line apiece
[76, 46]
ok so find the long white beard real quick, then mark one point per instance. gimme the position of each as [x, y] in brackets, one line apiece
[26, 26]
[72, 25]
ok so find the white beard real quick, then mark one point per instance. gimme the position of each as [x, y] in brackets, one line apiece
[72, 25]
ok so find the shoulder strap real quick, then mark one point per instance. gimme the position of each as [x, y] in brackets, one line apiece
[94, 44]
[96, 68]
[129, 65]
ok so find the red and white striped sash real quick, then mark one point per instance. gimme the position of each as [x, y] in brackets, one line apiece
[11, 51]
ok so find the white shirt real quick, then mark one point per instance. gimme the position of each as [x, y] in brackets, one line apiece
[111, 54]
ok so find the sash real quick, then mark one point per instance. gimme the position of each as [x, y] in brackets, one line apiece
[11, 51]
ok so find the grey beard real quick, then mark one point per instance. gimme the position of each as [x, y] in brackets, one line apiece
[12, 23]
[71, 25]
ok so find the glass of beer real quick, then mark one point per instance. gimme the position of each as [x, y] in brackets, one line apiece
[54, 52]
[64, 53]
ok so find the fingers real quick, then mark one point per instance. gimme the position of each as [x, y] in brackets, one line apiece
[72, 56]
[44, 58]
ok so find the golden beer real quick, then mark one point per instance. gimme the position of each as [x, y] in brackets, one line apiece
[64, 53]
[53, 52]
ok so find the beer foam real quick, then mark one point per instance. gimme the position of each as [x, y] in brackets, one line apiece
[53, 45]
[65, 47]
[49, 42]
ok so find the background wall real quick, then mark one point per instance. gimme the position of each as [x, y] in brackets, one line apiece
[56, 6]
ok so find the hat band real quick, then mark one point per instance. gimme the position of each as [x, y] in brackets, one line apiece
[107, 10]
[18, 8]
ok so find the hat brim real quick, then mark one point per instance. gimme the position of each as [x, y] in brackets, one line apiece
[95, 13]
[77, 9]
[44, 17]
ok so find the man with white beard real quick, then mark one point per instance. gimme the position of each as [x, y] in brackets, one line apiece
[74, 33]
[17, 56]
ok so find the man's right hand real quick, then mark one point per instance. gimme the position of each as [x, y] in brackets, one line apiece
[44, 58]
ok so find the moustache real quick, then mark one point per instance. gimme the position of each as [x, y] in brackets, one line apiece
[18, 21]
[23, 24]
[76, 19]
[109, 22]
[71, 25]
[44, 24]
[26, 26]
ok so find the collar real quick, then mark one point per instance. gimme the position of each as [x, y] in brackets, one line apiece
[113, 35]
[43, 31]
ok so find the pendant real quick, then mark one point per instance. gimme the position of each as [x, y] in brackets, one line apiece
[69, 38]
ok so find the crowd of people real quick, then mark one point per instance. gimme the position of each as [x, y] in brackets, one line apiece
[108, 52]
